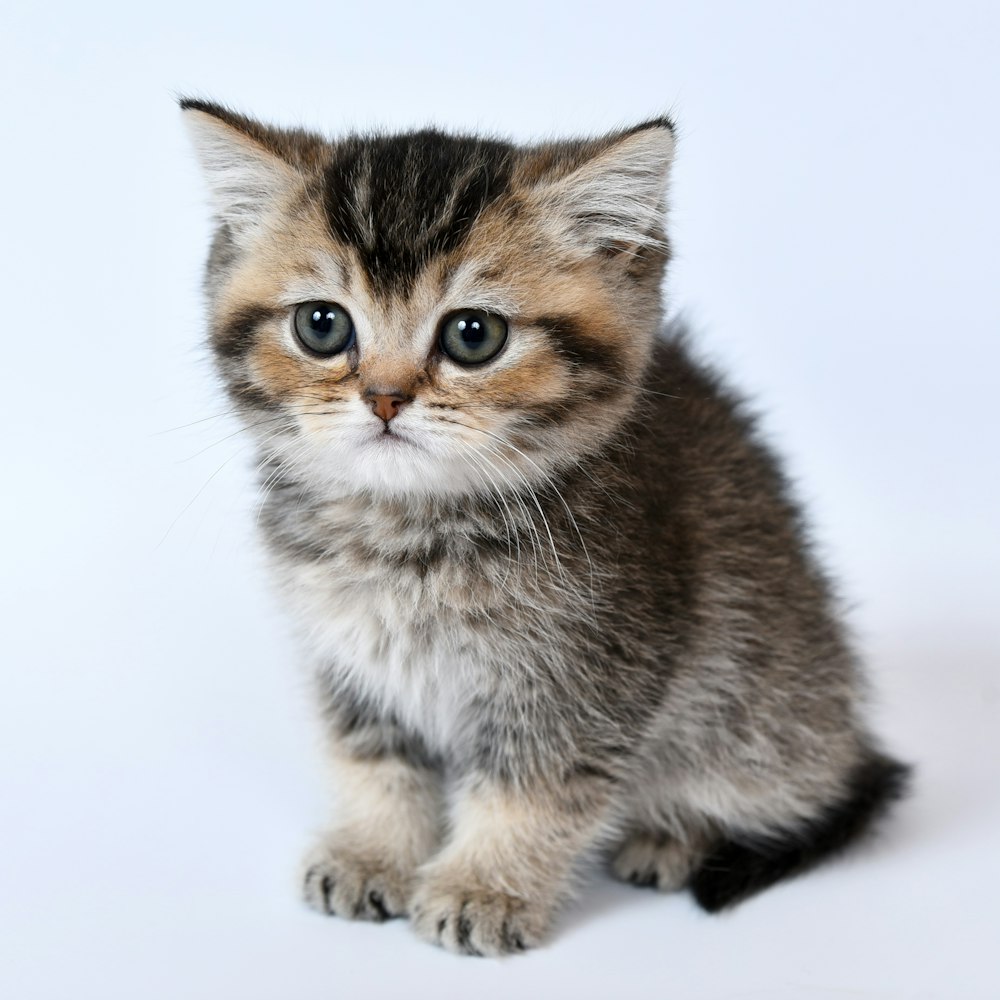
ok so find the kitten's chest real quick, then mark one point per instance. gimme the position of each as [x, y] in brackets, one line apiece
[408, 634]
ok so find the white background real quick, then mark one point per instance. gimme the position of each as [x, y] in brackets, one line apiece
[836, 221]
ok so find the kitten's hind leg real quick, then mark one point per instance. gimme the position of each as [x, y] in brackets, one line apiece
[659, 860]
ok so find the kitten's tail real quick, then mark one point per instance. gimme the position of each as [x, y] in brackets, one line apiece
[742, 866]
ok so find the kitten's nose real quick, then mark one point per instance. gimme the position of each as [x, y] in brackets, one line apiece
[385, 405]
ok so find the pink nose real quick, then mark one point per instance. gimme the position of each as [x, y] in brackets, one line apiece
[385, 405]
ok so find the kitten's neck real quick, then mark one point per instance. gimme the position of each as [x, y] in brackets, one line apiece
[552, 519]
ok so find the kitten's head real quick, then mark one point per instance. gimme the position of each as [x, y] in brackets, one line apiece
[427, 313]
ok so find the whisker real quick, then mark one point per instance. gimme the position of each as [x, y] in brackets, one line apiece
[546, 478]
[195, 423]
[204, 486]
[640, 388]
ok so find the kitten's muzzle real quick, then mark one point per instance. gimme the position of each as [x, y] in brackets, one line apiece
[386, 403]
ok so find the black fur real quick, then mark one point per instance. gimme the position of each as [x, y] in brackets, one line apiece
[584, 351]
[235, 337]
[253, 397]
[739, 868]
[424, 189]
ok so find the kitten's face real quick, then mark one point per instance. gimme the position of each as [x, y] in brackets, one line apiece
[432, 315]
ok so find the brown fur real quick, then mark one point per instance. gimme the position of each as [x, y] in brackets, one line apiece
[562, 600]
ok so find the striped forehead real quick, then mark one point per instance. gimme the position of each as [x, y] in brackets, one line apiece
[401, 201]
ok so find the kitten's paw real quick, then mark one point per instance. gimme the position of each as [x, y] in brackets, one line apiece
[345, 882]
[477, 920]
[658, 861]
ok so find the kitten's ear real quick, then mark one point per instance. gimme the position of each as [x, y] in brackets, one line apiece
[247, 168]
[611, 194]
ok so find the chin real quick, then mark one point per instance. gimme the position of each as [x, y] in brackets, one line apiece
[395, 466]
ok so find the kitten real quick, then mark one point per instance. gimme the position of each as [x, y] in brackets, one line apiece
[553, 588]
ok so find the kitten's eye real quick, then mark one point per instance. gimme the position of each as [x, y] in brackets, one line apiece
[471, 337]
[323, 327]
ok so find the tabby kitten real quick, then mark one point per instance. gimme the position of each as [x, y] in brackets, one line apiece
[553, 589]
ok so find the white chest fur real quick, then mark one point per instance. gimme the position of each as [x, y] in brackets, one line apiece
[393, 643]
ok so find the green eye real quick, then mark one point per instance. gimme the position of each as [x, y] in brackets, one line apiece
[471, 337]
[323, 327]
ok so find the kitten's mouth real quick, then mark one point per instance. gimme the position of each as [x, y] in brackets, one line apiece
[389, 438]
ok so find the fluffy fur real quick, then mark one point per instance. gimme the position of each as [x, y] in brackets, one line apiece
[562, 602]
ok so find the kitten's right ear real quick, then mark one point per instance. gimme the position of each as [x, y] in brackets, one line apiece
[246, 172]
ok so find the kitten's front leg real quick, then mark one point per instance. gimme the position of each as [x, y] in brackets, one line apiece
[388, 825]
[496, 885]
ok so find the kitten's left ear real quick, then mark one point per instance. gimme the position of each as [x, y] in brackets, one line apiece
[249, 166]
[613, 195]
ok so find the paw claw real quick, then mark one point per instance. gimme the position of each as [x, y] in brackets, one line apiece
[478, 920]
[378, 905]
[657, 862]
[326, 886]
[463, 930]
[345, 883]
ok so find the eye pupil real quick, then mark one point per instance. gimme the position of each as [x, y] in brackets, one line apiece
[472, 332]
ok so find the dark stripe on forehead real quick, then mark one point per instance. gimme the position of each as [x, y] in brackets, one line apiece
[402, 200]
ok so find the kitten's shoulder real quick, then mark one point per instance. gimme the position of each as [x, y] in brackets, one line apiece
[694, 436]
[681, 384]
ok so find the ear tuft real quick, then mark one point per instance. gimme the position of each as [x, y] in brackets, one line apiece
[245, 175]
[615, 199]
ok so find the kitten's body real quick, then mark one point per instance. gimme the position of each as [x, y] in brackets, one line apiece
[596, 621]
